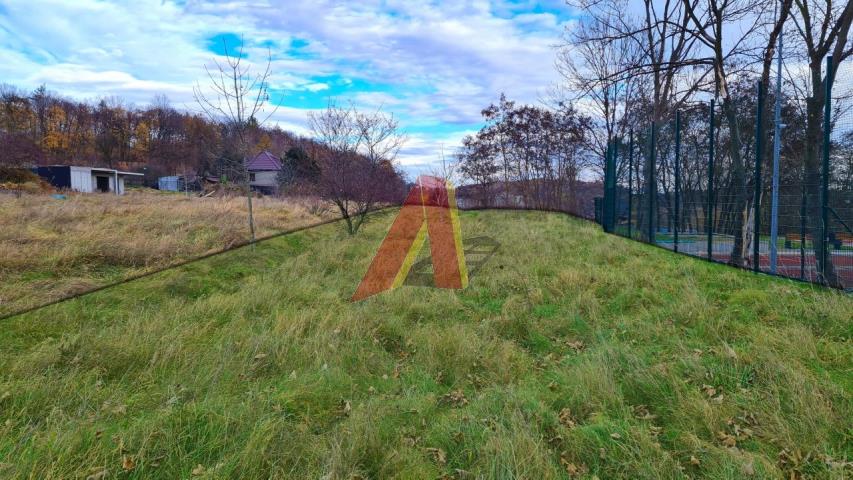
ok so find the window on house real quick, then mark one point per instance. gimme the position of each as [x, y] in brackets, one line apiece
[251, 177]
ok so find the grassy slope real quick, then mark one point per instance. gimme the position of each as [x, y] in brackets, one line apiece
[52, 248]
[570, 351]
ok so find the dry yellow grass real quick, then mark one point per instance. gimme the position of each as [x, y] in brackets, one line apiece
[52, 248]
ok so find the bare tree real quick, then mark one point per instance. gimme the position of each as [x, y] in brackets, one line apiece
[447, 168]
[824, 28]
[356, 165]
[237, 98]
[658, 53]
[592, 61]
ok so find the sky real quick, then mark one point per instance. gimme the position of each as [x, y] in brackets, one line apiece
[433, 64]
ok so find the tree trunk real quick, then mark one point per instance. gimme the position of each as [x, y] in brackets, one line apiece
[738, 181]
[813, 181]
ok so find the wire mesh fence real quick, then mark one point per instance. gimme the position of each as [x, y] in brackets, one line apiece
[750, 181]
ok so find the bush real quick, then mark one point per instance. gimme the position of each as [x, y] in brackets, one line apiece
[18, 175]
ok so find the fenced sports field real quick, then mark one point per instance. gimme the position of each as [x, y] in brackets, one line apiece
[740, 185]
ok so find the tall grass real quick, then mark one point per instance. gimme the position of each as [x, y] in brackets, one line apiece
[572, 354]
[51, 248]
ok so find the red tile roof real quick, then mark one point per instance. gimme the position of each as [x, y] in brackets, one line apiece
[264, 161]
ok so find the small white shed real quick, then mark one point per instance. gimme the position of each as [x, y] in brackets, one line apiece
[86, 179]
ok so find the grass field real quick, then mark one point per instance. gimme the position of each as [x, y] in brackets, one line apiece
[571, 354]
[53, 248]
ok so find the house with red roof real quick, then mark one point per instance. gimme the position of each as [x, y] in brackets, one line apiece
[263, 172]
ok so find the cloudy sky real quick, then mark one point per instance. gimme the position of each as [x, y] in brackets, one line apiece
[433, 64]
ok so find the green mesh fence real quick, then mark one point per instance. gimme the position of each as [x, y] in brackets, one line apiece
[700, 182]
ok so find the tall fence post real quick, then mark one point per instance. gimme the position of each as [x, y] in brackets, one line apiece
[605, 206]
[609, 214]
[614, 211]
[652, 187]
[709, 214]
[630, 180]
[677, 222]
[824, 198]
[803, 233]
[759, 154]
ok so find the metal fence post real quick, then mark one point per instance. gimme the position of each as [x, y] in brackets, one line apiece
[803, 234]
[630, 180]
[677, 221]
[827, 117]
[609, 208]
[605, 207]
[759, 153]
[709, 214]
[614, 184]
[652, 187]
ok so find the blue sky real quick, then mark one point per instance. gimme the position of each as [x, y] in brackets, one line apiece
[433, 64]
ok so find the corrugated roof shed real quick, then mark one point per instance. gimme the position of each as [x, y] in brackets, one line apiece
[264, 162]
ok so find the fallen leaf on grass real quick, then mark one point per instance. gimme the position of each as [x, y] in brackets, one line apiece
[642, 412]
[198, 470]
[727, 440]
[455, 398]
[345, 407]
[438, 456]
[127, 463]
[748, 468]
[572, 468]
[709, 390]
[615, 436]
[567, 419]
[694, 461]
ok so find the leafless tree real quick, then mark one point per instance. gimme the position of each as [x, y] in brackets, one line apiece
[236, 97]
[658, 63]
[824, 28]
[356, 165]
[590, 61]
[709, 21]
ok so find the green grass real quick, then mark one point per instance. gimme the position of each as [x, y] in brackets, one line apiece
[572, 353]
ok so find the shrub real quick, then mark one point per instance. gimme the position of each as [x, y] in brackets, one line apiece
[18, 175]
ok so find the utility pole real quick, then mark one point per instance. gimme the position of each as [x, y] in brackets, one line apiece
[777, 147]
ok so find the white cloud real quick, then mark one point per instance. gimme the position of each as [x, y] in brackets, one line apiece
[438, 62]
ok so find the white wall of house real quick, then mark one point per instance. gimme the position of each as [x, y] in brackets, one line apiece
[264, 179]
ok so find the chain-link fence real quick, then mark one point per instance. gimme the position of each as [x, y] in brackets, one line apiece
[748, 181]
